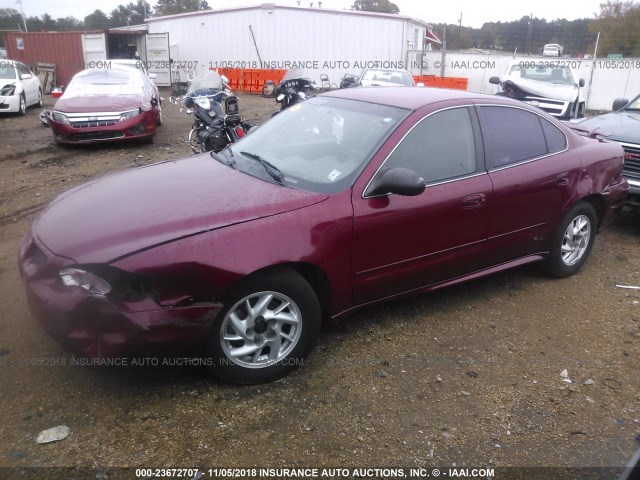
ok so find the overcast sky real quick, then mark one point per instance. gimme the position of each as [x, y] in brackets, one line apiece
[474, 12]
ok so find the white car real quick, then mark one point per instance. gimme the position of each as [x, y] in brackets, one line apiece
[376, 77]
[19, 87]
[552, 88]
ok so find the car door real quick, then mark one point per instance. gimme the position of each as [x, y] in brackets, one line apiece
[534, 175]
[402, 243]
[30, 84]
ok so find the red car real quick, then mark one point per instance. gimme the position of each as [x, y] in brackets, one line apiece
[107, 104]
[347, 199]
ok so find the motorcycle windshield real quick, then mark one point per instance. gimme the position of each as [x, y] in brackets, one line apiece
[208, 79]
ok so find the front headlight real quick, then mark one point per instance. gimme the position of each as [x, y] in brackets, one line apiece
[60, 118]
[76, 277]
[8, 90]
[129, 114]
[105, 280]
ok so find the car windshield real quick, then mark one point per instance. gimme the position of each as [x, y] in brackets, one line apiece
[556, 75]
[7, 72]
[388, 76]
[321, 144]
[107, 81]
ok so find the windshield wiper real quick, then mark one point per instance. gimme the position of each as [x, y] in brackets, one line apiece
[271, 169]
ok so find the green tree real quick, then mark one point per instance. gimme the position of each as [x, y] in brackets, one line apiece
[618, 23]
[379, 6]
[171, 7]
[130, 14]
[97, 20]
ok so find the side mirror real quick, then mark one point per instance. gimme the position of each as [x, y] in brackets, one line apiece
[280, 97]
[581, 82]
[420, 84]
[619, 104]
[398, 180]
[495, 80]
[26, 76]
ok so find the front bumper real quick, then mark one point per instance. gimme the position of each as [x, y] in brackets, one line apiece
[97, 327]
[631, 171]
[141, 126]
[10, 103]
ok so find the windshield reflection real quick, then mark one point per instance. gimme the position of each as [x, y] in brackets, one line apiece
[321, 144]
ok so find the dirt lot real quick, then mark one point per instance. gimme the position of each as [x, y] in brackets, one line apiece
[466, 376]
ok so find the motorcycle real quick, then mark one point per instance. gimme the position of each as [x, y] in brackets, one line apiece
[217, 122]
[290, 92]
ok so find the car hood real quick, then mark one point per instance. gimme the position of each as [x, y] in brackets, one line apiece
[543, 89]
[101, 103]
[125, 213]
[623, 126]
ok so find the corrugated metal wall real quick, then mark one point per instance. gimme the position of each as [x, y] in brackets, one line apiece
[339, 42]
[62, 48]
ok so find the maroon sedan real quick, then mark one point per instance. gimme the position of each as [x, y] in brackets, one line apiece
[106, 104]
[345, 200]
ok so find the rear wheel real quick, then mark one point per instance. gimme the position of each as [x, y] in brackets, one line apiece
[573, 241]
[269, 324]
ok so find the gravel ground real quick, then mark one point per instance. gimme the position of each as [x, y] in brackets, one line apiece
[466, 376]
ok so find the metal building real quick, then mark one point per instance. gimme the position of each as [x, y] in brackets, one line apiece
[313, 40]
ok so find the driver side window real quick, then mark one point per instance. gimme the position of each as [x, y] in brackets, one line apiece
[440, 147]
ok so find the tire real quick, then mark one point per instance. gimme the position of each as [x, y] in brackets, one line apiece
[274, 338]
[40, 102]
[22, 107]
[573, 241]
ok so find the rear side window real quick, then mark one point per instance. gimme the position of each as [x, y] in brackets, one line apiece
[512, 135]
[556, 141]
[438, 148]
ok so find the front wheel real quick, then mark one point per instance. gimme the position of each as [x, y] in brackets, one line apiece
[269, 323]
[573, 241]
[22, 106]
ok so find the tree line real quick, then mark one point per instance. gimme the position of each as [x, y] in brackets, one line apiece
[618, 23]
[122, 16]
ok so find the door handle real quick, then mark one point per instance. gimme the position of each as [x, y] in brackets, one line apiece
[474, 201]
[563, 179]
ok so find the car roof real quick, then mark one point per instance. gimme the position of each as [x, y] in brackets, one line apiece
[404, 97]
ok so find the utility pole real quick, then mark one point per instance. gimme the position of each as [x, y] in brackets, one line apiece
[529, 27]
[443, 59]
[459, 31]
[24, 20]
